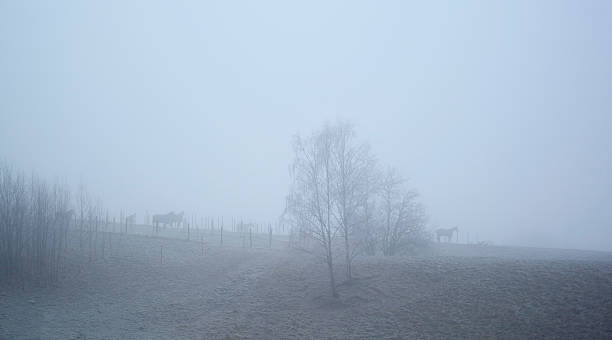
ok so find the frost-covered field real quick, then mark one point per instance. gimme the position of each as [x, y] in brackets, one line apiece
[450, 291]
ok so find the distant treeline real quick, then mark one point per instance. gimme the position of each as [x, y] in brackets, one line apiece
[34, 219]
[38, 223]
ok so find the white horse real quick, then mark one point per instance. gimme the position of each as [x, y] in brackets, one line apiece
[447, 233]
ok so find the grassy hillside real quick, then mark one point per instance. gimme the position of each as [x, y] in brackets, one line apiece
[159, 288]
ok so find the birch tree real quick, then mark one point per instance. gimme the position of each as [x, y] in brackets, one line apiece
[310, 203]
[367, 226]
[353, 166]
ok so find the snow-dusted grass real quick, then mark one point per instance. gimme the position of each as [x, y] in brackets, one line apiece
[450, 291]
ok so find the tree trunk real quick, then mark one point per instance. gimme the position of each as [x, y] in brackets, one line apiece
[349, 274]
[330, 266]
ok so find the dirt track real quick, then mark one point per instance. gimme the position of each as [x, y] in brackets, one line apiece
[234, 292]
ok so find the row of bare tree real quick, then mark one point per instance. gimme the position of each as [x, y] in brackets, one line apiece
[37, 225]
[33, 227]
[340, 202]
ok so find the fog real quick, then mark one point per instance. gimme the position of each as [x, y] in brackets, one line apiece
[498, 113]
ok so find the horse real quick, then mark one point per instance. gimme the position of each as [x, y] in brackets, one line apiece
[164, 219]
[448, 233]
[177, 218]
[167, 219]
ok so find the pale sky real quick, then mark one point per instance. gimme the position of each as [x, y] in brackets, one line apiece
[499, 113]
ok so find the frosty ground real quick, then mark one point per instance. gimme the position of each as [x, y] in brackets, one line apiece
[165, 288]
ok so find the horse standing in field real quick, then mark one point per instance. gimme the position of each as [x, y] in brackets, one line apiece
[177, 218]
[447, 233]
[163, 219]
[167, 219]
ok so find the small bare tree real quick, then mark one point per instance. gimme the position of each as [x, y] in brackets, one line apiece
[310, 203]
[353, 166]
[367, 226]
[402, 215]
[62, 217]
[33, 222]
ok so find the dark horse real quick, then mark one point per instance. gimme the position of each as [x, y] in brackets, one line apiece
[447, 233]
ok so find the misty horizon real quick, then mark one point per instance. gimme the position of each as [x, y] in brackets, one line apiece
[503, 129]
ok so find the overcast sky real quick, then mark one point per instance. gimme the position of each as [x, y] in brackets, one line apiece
[499, 113]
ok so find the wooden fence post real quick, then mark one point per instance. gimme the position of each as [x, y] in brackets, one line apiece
[269, 236]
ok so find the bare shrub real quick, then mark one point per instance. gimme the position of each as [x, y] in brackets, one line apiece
[34, 218]
[403, 217]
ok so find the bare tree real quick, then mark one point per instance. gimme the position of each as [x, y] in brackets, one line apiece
[337, 189]
[402, 215]
[367, 226]
[353, 166]
[33, 222]
[310, 203]
[14, 226]
[82, 199]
